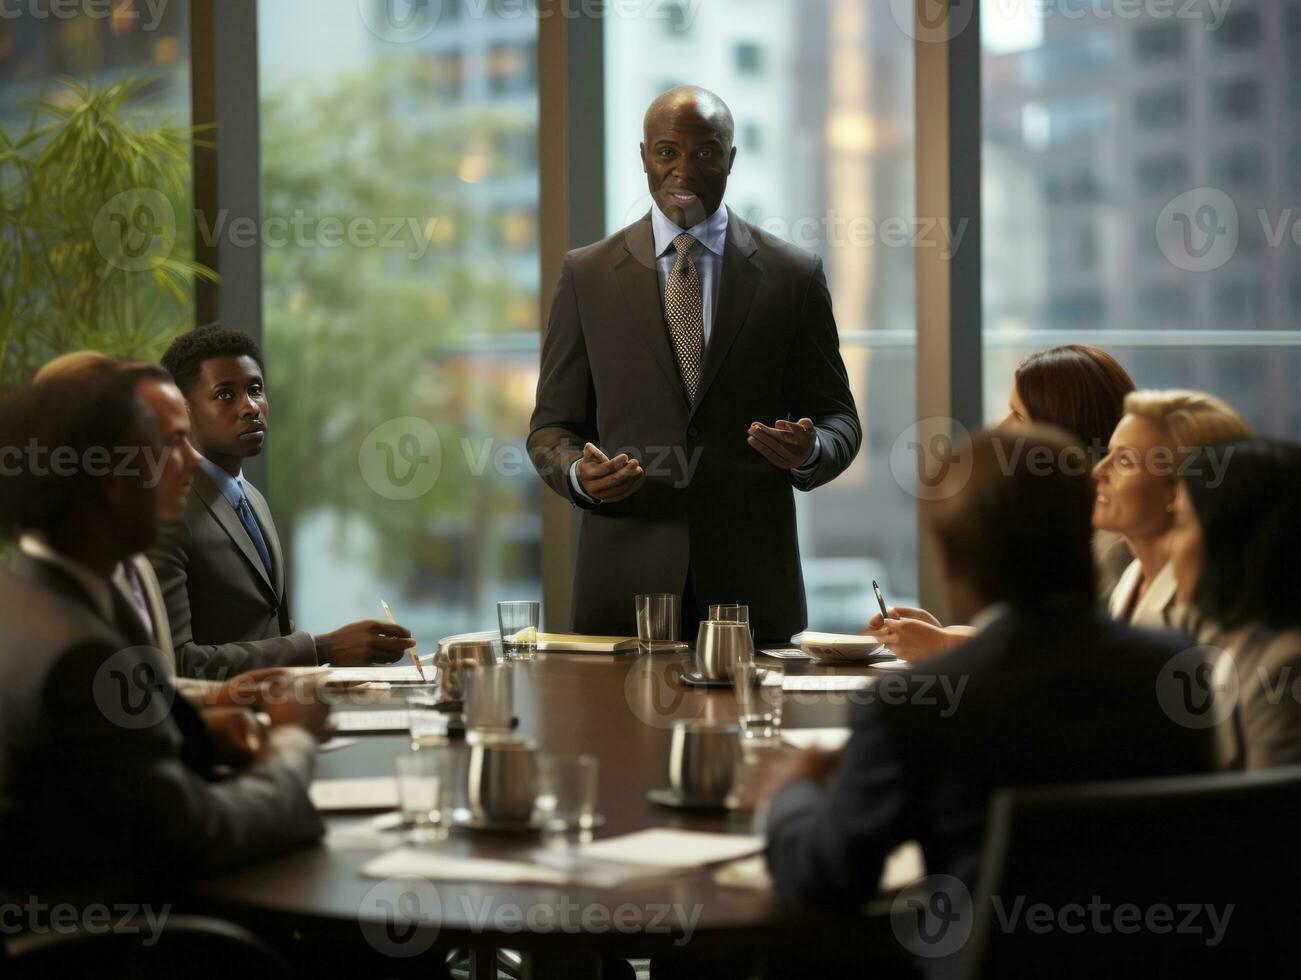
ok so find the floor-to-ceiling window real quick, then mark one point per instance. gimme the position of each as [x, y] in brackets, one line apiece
[821, 91]
[1141, 169]
[399, 243]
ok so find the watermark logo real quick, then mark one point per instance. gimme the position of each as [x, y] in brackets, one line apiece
[1198, 687]
[400, 916]
[135, 231]
[927, 460]
[400, 21]
[1198, 230]
[655, 692]
[932, 917]
[401, 459]
[123, 13]
[131, 689]
[932, 20]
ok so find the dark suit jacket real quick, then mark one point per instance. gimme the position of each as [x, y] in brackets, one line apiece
[710, 504]
[93, 797]
[1046, 700]
[227, 614]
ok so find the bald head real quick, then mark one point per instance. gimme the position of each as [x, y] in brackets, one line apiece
[693, 99]
[687, 153]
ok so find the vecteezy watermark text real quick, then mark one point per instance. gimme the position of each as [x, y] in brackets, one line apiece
[36, 918]
[118, 10]
[97, 461]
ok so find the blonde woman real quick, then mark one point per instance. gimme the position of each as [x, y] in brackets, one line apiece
[1160, 437]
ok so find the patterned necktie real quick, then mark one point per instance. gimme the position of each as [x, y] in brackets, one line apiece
[245, 513]
[682, 304]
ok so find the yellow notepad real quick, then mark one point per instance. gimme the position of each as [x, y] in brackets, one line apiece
[577, 643]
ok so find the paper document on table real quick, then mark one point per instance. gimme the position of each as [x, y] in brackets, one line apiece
[823, 682]
[410, 862]
[826, 739]
[370, 793]
[578, 643]
[400, 674]
[677, 849]
[377, 720]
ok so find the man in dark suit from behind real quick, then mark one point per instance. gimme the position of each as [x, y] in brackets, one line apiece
[99, 786]
[691, 379]
[221, 567]
[1047, 691]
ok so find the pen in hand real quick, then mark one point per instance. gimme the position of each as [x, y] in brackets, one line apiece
[412, 651]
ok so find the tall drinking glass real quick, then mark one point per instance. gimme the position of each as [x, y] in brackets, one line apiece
[759, 701]
[659, 621]
[518, 622]
[489, 701]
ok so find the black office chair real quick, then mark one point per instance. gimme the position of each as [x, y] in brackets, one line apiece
[196, 948]
[1222, 839]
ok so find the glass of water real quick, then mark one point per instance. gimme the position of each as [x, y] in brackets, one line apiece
[518, 622]
[489, 700]
[567, 787]
[759, 701]
[659, 621]
[420, 789]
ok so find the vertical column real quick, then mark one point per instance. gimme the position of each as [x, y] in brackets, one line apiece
[571, 162]
[948, 103]
[227, 168]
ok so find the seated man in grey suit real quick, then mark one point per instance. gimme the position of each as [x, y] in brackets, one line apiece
[1048, 690]
[173, 475]
[91, 720]
[221, 568]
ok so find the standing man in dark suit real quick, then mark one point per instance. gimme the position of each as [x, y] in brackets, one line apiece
[102, 781]
[221, 568]
[1048, 690]
[691, 376]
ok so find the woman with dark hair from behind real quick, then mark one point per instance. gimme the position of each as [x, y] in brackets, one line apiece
[1234, 548]
[1079, 389]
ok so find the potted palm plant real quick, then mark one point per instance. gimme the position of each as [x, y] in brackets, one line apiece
[95, 243]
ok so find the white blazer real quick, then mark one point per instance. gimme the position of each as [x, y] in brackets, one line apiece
[1158, 609]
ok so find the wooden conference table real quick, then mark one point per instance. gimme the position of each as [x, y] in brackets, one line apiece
[620, 708]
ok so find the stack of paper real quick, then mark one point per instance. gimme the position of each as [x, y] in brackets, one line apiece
[673, 849]
[577, 643]
[822, 682]
[396, 674]
[370, 793]
[406, 862]
[384, 720]
[840, 646]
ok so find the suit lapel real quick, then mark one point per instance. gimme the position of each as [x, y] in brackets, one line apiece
[224, 514]
[740, 279]
[640, 283]
[157, 608]
[263, 514]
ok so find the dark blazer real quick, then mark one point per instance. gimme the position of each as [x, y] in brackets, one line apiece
[93, 795]
[227, 614]
[1044, 699]
[609, 376]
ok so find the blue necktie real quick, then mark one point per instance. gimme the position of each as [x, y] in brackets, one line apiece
[246, 518]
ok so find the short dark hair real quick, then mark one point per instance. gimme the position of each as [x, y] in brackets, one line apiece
[1014, 518]
[1251, 534]
[75, 414]
[185, 356]
[1078, 388]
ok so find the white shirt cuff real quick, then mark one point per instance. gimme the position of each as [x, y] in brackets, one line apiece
[577, 487]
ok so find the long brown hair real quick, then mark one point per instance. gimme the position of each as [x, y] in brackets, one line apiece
[1079, 389]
